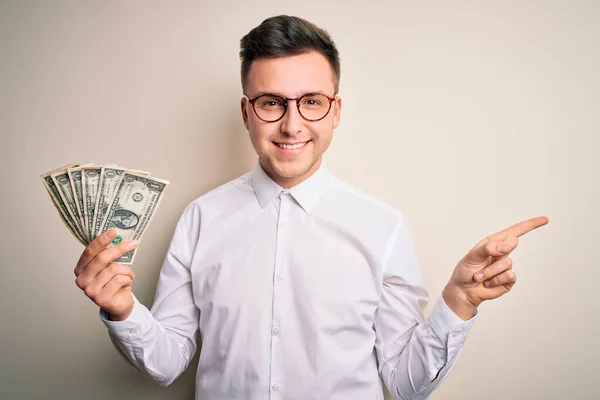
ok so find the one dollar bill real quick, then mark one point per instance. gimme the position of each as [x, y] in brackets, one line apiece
[75, 179]
[110, 177]
[65, 191]
[132, 208]
[58, 202]
[90, 181]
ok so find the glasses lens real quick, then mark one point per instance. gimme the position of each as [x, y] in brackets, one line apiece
[269, 107]
[314, 106]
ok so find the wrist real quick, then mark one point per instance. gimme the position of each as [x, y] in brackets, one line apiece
[121, 316]
[458, 302]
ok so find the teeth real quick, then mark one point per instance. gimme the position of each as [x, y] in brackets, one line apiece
[291, 146]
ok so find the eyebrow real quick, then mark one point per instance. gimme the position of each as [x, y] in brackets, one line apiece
[281, 95]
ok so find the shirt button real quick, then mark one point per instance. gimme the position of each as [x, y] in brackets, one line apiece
[275, 331]
[282, 223]
[278, 278]
[275, 387]
[455, 334]
[133, 331]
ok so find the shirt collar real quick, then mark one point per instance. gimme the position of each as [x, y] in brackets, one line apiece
[306, 193]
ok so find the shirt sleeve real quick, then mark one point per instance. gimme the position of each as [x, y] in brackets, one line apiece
[414, 354]
[161, 342]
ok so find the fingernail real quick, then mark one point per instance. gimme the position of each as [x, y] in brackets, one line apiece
[501, 248]
[111, 233]
[486, 283]
[479, 276]
[132, 243]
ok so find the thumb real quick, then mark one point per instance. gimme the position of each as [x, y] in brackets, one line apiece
[486, 248]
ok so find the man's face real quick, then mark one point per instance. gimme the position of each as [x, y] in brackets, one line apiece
[290, 77]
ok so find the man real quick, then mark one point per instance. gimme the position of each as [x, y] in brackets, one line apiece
[300, 286]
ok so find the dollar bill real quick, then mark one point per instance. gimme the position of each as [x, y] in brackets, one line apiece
[57, 200]
[132, 208]
[109, 179]
[65, 191]
[90, 180]
[75, 178]
[91, 199]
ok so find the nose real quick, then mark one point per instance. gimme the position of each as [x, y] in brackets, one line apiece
[292, 121]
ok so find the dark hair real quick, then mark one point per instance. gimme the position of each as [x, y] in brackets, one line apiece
[285, 35]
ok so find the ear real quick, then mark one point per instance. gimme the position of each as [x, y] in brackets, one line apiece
[244, 108]
[337, 111]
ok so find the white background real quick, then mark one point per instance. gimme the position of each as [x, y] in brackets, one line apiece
[466, 116]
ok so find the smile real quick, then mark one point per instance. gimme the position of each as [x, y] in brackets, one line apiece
[292, 146]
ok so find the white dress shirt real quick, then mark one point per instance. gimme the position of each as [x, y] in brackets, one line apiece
[308, 293]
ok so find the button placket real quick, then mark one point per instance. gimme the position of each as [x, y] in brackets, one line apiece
[280, 250]
[284, 208]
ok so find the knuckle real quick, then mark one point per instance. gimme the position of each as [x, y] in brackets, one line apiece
[87, 255]
[123, 280]
[104, 258]
[80, 282]
[100, 239]
[87, 252]
[89, 292]
[125, 247]
[113, 269]
[122, 269]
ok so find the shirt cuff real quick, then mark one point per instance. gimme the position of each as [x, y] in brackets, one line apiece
[130, 327]
[448, 326]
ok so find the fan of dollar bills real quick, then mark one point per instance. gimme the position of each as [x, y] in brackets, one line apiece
[92, 199]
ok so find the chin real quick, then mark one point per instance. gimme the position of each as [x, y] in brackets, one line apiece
[291, 170]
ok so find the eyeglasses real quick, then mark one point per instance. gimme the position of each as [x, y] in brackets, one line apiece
[272, 107]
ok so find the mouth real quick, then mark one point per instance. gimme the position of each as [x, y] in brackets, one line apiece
[291, 148]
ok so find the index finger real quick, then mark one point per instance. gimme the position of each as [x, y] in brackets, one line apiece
[521, 228]
[93, 248]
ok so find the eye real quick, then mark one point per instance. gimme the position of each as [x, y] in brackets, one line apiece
[314, 101]
[269, 102]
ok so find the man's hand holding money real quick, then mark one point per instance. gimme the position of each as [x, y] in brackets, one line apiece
[108, 284]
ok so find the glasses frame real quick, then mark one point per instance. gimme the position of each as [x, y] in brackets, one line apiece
[285, 104]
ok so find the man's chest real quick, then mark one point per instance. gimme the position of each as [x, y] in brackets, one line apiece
[288, 268]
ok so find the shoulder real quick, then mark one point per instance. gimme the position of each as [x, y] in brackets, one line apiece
[368, 221]
[358, 202]
[224, 197]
